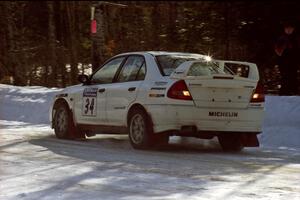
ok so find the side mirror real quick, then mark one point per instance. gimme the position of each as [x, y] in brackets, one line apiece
[83, 78]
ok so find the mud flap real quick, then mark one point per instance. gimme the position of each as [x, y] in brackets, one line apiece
[249, 140]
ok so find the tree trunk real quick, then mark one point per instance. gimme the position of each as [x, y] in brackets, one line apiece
[52, 50]
[3, 41]
[155, 21]
[98, 54]
[63, 56]
[72, 39]
[172, 29]
[12, 59]
[227, 30]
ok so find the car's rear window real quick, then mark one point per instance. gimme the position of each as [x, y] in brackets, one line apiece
[168, 63]
[205, 69]
[238, 69]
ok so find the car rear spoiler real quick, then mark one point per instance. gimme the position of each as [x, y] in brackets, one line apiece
[182, 70]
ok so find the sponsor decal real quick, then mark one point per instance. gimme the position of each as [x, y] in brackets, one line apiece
[247, 86]
[222, 114]
[179, 72]
[61, 95]
[158, 88]
[159, 83]
[120, 108]
[90, 92]
[156, 95]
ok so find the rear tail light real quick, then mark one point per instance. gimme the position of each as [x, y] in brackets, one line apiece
[258, 95]
[180, 91]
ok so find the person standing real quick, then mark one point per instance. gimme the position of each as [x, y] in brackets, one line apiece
[287, 49]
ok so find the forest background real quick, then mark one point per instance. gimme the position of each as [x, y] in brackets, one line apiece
[49, 43]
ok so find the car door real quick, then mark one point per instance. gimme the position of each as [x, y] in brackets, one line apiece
[124, 90]
[90, 107]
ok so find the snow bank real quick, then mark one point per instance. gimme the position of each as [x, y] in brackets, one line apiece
[281, 126]
[27, 104]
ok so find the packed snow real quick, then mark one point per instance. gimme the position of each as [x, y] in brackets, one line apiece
[36, 165]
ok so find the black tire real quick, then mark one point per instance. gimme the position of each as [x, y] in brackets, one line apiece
[64, 127]
[140, 130]
[231, 142]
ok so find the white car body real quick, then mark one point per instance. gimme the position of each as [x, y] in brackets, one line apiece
[220, 102]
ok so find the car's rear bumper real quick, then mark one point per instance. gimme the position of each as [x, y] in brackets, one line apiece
[175, 117]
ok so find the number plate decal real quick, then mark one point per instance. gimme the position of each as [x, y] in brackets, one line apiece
[89, 102]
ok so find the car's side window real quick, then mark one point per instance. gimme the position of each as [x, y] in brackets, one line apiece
[107, 72]
[132, 68]
[142, 72]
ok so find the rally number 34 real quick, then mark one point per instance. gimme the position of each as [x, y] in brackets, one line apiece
[89, 106]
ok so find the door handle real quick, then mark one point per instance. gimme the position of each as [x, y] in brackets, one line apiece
[131, 89]
[101, 90]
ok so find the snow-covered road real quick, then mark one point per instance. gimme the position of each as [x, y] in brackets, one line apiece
[36, 165]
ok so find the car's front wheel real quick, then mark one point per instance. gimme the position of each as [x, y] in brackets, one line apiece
[140, 130]
[231, 142]
[64, 127]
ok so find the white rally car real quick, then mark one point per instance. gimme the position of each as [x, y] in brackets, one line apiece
[154, 95]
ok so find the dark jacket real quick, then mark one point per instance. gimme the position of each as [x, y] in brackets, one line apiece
[287, 49]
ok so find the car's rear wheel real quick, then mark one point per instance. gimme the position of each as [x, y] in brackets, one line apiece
[140, 130]
[64, 127]
[231, 142]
